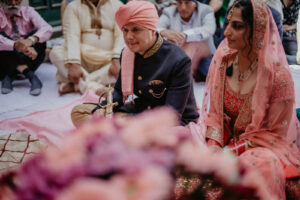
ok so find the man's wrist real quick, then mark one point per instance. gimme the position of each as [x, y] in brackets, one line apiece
[73, 65]
[69, 62]
[33, 39]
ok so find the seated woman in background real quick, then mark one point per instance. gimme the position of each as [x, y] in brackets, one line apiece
[154, 70]
[251, 95]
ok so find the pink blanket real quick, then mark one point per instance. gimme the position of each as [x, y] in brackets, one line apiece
[50, 125]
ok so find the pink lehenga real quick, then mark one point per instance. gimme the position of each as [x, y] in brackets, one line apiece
[266, 118]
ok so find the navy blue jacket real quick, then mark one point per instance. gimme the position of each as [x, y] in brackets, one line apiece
[162, 76]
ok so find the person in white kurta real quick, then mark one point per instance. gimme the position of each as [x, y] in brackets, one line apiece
[89, 58]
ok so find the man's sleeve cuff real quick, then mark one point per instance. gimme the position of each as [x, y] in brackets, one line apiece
[73, 61]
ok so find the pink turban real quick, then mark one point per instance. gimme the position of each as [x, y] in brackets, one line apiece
[142, 13]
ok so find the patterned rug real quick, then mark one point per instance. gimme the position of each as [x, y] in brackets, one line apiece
[17, 148]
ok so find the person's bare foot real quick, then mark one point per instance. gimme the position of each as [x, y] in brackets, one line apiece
[65, 88]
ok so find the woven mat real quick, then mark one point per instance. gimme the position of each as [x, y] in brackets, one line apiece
[17, 148]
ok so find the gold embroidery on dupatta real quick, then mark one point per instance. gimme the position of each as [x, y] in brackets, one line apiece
[260, 14]
[220, 90]
[284, 122]
[212, 132]
[221, 96]
[264, 67]
[215, 134]
[282, 87]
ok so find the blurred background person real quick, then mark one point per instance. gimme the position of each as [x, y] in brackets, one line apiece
[89, 58]
[23, 36]
[191, 25]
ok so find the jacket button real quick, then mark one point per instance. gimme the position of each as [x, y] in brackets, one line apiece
[140, 78]
[140, 91]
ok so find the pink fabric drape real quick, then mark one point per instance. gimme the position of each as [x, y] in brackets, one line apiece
[273, 124]
[48, 126]
[127, 66]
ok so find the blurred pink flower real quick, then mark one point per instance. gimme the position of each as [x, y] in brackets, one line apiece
[91, 189]
[153, 183]
[254, 180]
[101, 125]
[223, 164]
[131, 158]
[152, 128]
[106, 155]
[110, 155]
[36, 181]
[73, 150]
[71, 153]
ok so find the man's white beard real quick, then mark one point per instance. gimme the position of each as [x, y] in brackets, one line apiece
[12, 10]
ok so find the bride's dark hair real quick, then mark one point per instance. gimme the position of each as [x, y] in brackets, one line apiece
[247, 16]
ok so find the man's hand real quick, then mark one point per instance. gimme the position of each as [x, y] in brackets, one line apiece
[31, 53]
[286, 27]
[114, 68]
[74, 72]
[25, 46]
[216, 5]
[21, 45]
[174, 36]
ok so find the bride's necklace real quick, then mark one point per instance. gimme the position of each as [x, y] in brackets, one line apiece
[242, 76]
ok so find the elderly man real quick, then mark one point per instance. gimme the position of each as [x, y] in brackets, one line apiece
[153, 70]
[191, 25]
[89, 59]
[23, 34]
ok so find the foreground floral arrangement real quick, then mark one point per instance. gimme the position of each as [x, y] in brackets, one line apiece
[136, 158]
